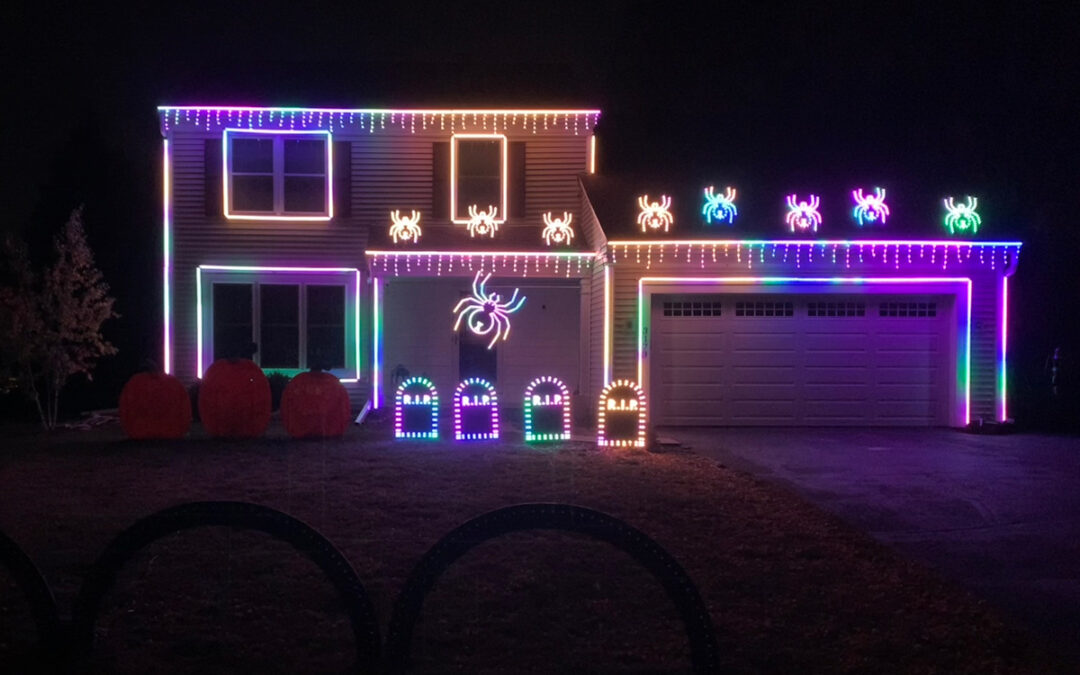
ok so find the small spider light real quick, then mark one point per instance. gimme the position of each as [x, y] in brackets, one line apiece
[416, 409]
[719, 207]
[655, 215]
[547, 410]
[962, 217]
[485, 313]
[483, 223]
[476, 411]
[620, 421]
[870, 208]
[557, 230]
[803, 215]
[405, 229]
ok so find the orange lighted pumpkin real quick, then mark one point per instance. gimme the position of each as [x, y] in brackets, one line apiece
[315, 405]
[234, 399]
[155, 405]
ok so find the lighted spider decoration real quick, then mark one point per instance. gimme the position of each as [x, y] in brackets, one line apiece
[483, 223]
[870, 208]
[962, 217]
[405, 229]
[719, 207]
[655, 215]
[557, 230]
[803, 215]
[485, 313]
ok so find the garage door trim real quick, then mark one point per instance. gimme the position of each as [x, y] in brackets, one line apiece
[960, 286]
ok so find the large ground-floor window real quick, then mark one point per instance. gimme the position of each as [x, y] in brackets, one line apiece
[285, 319]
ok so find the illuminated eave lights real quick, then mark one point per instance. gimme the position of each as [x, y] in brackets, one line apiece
[373, 120]
[841, 253]
[467, 263]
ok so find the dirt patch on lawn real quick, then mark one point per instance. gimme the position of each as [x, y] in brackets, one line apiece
[790, 589]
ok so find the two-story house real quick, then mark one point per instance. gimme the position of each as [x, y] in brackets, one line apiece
[374, 243]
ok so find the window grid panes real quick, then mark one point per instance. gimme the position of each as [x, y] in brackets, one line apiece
[479, 175]
[835, 309]
[908, 309]
[691, 308]
[764, 308]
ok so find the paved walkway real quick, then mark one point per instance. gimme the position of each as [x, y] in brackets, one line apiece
[999, 514]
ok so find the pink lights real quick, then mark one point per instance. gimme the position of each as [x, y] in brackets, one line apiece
[380, 120]
[279, 174]
[416, 409]
[166, 265]
[476, 411]
[803, 215]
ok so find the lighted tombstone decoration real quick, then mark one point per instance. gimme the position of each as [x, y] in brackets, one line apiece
[557, 230]
[719, 207]
[547, 410]
[962, 218]
[416, 409]
[234, 399]
[870, 209]
[476, 411]
[315, 404]
[655, 215]
[154, 405]
[621, 419]
[484, 312]
[803, 215]
[405, 229]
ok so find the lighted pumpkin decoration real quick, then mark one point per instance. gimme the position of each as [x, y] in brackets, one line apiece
[234, 399]
[155, 405]
[315, 405]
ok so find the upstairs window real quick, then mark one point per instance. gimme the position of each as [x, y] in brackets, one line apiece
[277, 175]
[478, 165]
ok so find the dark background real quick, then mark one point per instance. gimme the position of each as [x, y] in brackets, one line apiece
[927, 100]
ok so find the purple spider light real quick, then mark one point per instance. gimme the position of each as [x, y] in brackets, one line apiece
[870, 208]
[485, 312]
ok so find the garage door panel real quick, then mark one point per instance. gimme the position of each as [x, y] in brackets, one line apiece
[684, 376]
[845, 369]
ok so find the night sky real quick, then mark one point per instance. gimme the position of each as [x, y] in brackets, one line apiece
[946, 99]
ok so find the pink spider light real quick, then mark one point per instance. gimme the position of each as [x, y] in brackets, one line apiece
[485, 312]
[870, 208]
[803, 215]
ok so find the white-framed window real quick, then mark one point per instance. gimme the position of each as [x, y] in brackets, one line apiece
[277, 174]
[478, 175]
[286, 319]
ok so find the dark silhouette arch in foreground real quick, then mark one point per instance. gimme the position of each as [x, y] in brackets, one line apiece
[40, 598]
[240, 515]
[566, 518]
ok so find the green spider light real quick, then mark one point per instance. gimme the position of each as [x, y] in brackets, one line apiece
[962, 217]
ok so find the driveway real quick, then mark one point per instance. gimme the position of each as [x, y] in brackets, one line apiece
[999, 514]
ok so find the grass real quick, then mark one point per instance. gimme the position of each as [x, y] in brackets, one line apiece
[790, 589]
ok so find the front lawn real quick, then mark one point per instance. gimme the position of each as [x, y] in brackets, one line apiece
[790, 589]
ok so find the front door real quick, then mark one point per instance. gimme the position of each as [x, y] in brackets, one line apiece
[474, 357]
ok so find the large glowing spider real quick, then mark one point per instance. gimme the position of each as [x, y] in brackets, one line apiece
[870, 208]
[485, 312]
[557, 229]
[719, 207]
[483, 222]
[405, 229]
[803, 215]
[654, 215]
[963, 216]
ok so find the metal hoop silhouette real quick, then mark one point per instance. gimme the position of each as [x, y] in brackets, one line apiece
[241, 515]
[42, 604]
[565, 517]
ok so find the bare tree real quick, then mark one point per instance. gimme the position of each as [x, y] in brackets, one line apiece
[51, 325]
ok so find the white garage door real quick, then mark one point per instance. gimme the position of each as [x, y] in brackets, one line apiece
[824, 359]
